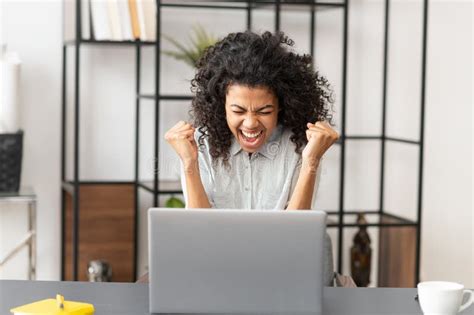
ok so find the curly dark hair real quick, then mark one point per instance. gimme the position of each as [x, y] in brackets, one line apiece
[254, 60]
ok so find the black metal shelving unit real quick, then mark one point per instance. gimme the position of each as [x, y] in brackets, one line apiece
[157, 187]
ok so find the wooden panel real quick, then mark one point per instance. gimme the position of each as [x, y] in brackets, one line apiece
[68, 237]
[397, 257]
[105, 229]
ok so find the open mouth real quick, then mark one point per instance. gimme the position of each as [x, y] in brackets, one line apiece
[251, 139]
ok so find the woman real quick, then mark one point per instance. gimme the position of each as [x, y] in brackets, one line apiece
[260, 127]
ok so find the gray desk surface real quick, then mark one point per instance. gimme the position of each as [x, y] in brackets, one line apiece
[132, 299]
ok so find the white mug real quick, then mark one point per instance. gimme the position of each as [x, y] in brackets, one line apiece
[443, 298]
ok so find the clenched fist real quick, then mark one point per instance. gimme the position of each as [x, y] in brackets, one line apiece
[320, 137]
[181, 138]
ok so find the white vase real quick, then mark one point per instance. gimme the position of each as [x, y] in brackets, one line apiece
[9, 91]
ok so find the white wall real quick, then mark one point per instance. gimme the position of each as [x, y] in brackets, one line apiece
[33, 28]
[448, 239]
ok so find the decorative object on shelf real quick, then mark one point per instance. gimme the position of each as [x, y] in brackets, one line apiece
[11, 151]
[54, 306]
[99, 271]
[11, 137]
[200, 40]
[174, 202]
[361, 254]
[10, 66]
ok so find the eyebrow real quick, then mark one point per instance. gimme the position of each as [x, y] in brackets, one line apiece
[261, 108]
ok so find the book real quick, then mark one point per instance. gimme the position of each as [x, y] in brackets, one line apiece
[141, 19]
[100, 20]
[149, 10]
[114, 19]
[132, 5]
[125, 20]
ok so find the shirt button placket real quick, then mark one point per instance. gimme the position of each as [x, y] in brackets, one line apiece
[248, 192]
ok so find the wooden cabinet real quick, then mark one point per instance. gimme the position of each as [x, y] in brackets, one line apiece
[106, 230]
[397, 257]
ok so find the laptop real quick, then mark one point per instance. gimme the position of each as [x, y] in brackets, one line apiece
[235, 261]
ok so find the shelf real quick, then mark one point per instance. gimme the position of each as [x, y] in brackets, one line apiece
[24, 193]
[403, 140]
[360, 137]
[254, 4]
[73, 42]
[165, 187]
[300, 6]
[166, 97]
[99, 200]
[68, 186]
[374, 219]
[222, 5]
[379, 138]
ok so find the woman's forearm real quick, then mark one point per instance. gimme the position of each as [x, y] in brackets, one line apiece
[197, 197]
[302, 196]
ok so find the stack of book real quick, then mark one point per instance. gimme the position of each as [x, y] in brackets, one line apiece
[118, 20]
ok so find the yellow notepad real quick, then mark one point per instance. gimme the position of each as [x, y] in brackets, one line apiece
[54, 307]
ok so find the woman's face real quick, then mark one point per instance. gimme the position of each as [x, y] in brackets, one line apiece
[252, 114]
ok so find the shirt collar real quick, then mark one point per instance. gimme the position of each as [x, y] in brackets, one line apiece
[269, 149]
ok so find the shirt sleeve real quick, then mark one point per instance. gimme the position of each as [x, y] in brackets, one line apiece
[294, 179]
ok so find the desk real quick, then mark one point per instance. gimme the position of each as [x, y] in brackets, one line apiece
[132, 298]
[24, 195]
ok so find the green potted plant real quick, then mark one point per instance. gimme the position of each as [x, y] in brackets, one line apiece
[190, 53]
[174, 202]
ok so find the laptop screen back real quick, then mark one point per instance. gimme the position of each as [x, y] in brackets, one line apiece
[224, 261]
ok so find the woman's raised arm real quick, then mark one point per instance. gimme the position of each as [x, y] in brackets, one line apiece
[181, 138]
